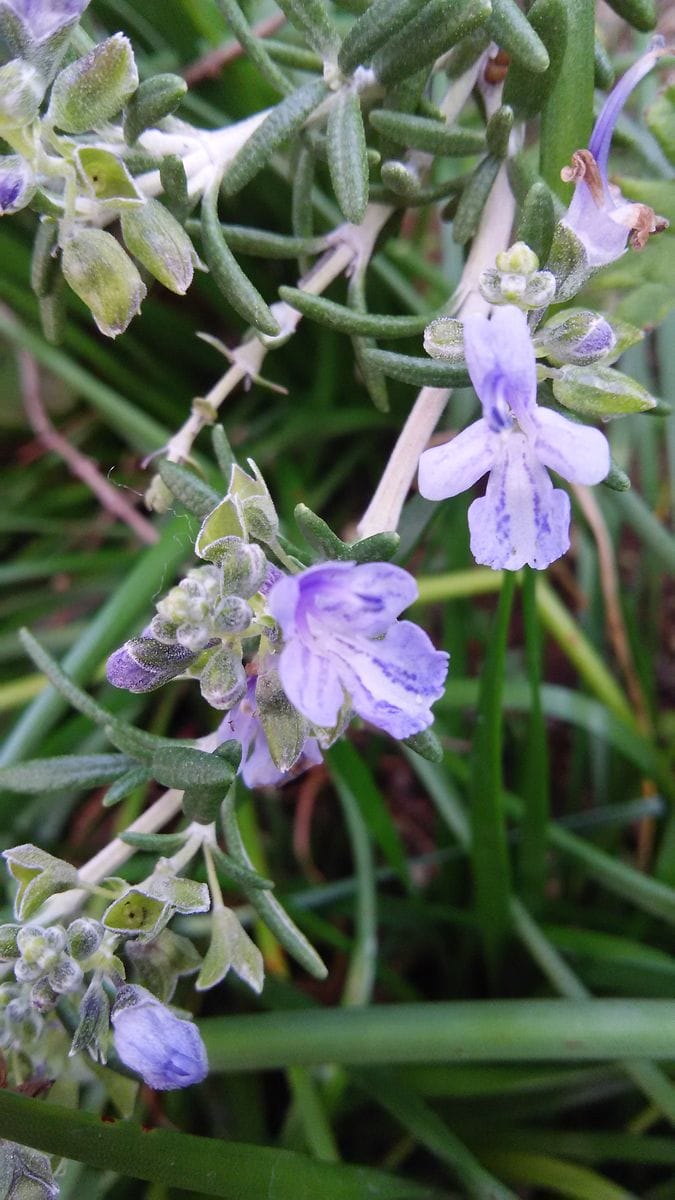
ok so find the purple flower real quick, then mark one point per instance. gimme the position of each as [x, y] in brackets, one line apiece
[343, 647]
[599, 215]
[258, 768]
[522, 518]
[143, 664]
[41, 19]
[152, 1041]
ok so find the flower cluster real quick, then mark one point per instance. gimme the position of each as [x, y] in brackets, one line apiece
[289, 656]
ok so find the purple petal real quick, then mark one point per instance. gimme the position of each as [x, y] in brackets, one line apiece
[165, 1050]
[578, 453]
[611, 110]
[603, 238]
[282, 602]
[124, 670]
[502, 364]
[43, 18]
[522, 518]
[365, 599]
[311, 683]
[393, 681]
[452, 468]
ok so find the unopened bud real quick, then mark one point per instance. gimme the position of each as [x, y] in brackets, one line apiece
[84, 937]
[444, 338]
[575, 337]
[17, 184]
[21, 91]
[223, 680]
[156, 239]
[105, 279]
[92, 90]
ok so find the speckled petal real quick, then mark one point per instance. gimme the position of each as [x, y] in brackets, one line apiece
[577, 452]
[455, 466]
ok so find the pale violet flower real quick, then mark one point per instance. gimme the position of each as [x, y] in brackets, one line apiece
[41, 19]
[522, 518]
[166, 1051]
[258, 768]
[344, 649]
[599, 214]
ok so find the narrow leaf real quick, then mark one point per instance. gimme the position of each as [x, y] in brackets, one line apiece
[228, 275]
[347, 158]
[421, 372]
[526, 89]
[512, 30]
[381, 20]
[348, 320]
[473, 199]
[68, 771]
[285, 120]
[187, 487]
[436, 28]
[312, 19]
[423, 133]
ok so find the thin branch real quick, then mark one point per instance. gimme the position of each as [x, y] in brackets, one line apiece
[111, 498]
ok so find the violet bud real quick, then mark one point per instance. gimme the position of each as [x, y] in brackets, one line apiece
[165, 1050]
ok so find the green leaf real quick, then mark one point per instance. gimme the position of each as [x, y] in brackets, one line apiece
[197, 496]
[68, 771]
[599, 391]
[349, 770]
[228, 276]
[427, 744]
[267, 906]
[432, 32]
[156, 98]
[260, 243]
[567, 113]
[422, 133]
[349, 320]
[498, 131]
[347, 158]
[419, 371]
[473, 199]
[92, 90]
[174, 183]
[210, 1166]
[514, 32]
[155, 843]
[537, 220]
[313, 20]
[254, 46]
[184, 767]
[44, 265]
[381, 20]
[641, 14]
[125, 785]
[282, 123]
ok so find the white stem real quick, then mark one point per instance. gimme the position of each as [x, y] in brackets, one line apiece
[384, 511]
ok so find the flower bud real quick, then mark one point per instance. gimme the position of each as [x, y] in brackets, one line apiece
[104, 278]
[223, 680]
[42, 996]
[243, 566]
[579, 337]
[156, 239]
[92, 90]
[444, 338]
[17, 184]
[92, 1031]
[165, 1050]
[143, 664]
[233, 615]
[84, 937]
[21, 91]
[9, 948]
[66, 976]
